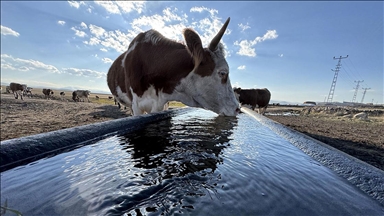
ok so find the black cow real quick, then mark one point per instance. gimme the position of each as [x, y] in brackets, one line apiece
[254, 97]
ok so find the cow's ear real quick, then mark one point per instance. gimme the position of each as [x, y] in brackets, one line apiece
[194, 45]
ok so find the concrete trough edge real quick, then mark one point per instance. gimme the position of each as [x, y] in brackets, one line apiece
[361, 174]
[23, 150]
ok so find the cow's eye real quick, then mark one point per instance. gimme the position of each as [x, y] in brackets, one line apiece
[222, 73]
[224, 76]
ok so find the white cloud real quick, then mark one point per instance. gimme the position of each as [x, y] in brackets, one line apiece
[84, 72]
[26, 64]
[128, 6]
[244, 27]
[8, 31]
[281, 55]
[212, 12]
[247, 46]
[76, 4]
[78, 32]
[83, 25]
[61, 22]
[107, 60]
[236, 85]
[92, 41]
[96, 30]
[122, 7]
[209, 27]
[110, 6]
[10, 63]
[112, 39]
[7, 67]
[241, 67]
[170, 22]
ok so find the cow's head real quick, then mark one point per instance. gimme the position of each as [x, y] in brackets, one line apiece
[209, 84]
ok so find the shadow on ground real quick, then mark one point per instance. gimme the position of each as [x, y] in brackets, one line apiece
[110, 111]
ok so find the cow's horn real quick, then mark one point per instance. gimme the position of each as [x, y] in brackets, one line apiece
[217, 38]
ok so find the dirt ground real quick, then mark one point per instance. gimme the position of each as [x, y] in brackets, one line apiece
[37, 115]
[361, 139]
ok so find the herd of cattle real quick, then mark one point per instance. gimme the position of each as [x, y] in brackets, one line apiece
[155, 70]
[21, 90]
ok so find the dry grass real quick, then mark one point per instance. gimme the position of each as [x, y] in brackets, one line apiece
[103, 98]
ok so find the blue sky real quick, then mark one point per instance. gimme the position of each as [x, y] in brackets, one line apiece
[287, 47]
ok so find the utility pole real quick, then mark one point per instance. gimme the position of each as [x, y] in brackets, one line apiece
[337, 69]
[356, 89]
[365, 90]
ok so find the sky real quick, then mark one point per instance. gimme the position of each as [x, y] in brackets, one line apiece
[285, 46]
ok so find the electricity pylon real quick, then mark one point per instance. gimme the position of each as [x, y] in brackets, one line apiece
[356, 89]
[365, 90]
[337, 69]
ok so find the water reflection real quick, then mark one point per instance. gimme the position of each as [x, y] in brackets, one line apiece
[178, 157]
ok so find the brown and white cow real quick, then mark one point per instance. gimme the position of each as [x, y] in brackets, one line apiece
[78, 94]
[155, 70]
[62, 95]
[17, 89]
[254, 97]
[27, 92]
[47, 93]
[117, 83]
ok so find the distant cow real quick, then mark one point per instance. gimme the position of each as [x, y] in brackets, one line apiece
[8, 89]
[75, 97]
[62, 95]
[47, 93]
[78, 94]
[27, 91]
[155, 70]
[17, 89]
[110, 98]
[254, 97]
[97, 97]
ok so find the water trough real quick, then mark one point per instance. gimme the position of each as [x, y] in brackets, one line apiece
[185, 161]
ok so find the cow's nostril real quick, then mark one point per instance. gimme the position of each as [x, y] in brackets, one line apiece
[237, 110]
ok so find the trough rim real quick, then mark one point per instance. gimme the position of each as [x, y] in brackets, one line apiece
[346, 166]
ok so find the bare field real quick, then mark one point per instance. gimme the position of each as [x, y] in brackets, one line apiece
[363, 139]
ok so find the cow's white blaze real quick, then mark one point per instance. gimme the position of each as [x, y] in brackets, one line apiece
[149, 102]
[123, 97]
[128, 51]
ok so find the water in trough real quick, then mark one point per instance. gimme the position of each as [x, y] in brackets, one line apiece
[195, 163]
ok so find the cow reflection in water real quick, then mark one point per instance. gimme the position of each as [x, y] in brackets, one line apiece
[181, 148]
[180, 155]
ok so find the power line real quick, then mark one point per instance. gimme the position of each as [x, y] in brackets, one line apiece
[356, 89]
[354, 72]
[333, 85]
[365, 90]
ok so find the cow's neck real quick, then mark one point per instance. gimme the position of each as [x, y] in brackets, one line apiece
[185, 92]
